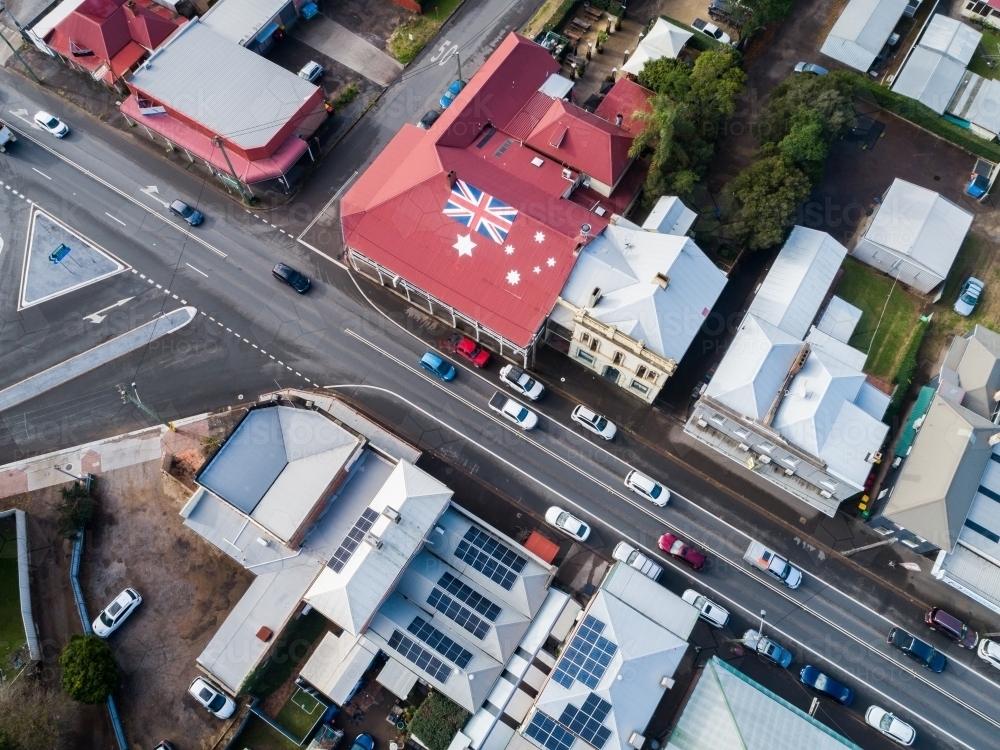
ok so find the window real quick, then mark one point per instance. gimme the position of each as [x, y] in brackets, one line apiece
[618, 358]
[636, 385]
[651, 376]
[829, 484]
[742, 432]
[793, 462]
[641, 372]
[766, 446]
[585, 337]
[581, 354]
[718, 419]
[594, 343]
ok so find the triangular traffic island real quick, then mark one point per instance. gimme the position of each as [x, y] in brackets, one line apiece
[58, 260]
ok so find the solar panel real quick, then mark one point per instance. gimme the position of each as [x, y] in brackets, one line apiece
[587, 657]
[353, 539]
[420, 656]
[465, 593]
[493, 559]
[440, 642]
[548, 733]
[455, 611]
[587, 722]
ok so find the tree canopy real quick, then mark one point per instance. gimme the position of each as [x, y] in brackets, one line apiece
[437, 721]
[76, 509]
[766, 196]
[90, 672]
[827, 99]
[757, 13]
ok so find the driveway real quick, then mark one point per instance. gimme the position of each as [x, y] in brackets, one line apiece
[341, 44]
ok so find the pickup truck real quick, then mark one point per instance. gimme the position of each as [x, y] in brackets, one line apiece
[510, 409]
[773, 564]
[522, 382]
[6, 138]
[710, 29]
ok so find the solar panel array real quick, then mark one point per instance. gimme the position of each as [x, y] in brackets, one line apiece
[420, 656]
[587, 722]
[461, 615]
[493, 559]
[587, 657]
[465, 593]
[440, 642]
[353, 539]
[548, 733]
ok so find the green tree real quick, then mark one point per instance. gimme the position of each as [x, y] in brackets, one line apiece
[766, 195]
[668, 76]
[90, 672]
[8, 743]
[76, 509]
[830, 97]
[437, 721]
[757, 13]
[805, 144]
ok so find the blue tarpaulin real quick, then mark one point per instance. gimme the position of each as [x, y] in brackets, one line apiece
[309, 10]
[266, 32]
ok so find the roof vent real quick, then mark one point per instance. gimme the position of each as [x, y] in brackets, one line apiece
[595, 297]
[585, 230]
[263, 542]
[392, 514]
[373, 541]
[618, 120]
[826, 493]
[662, 280]
[568, 175]
[667, 682]
[537, 161]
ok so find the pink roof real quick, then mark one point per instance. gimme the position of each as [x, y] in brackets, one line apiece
[625, 98]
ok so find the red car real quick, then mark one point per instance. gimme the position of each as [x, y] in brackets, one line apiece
[678, 550]
[467, 348]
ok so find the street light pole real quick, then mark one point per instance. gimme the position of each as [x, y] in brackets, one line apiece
[763, 614]
[21, 59]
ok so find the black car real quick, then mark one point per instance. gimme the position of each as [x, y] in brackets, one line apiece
[192, 216]
[294, 279]
[428, 119]
[915, 648]
[815, 679]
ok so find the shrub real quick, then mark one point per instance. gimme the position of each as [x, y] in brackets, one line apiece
[76, 509]
[345, 97]
[90, 671]
[558, 18]
[437, 721]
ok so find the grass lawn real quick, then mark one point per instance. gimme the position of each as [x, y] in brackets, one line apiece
[300, 713]
[991, 44]
[259, 735]
[868, 290]
[289, 652]
[412, 34]
[11, 624]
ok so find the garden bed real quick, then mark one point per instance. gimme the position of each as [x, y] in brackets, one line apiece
[13, 651]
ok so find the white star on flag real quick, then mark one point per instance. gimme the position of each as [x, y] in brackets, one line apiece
[513, 277]
[550, 262]
[539, 237]
[464, 245]
[509, 249]
[538, 269]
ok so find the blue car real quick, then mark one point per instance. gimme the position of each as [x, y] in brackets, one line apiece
[449, 96]
[437, 366]
[363, 742]
[815, 679]
[767, 649]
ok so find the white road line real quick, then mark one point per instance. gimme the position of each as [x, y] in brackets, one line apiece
[196, 269]
[41, 173]
[115, 218]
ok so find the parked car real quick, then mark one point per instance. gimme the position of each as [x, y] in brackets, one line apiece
[467, 349]
[710, 29]
[816, 70]
[591, 420]
[702, 386]
[451, 92]
[52, 124]
[989, 652]
[363, 742]
[522, 382]
[640, 484]
[513, 411]
[212, 698]
[288, 275]
[190, 215]
[825, 684]
[311, 71]
[710, 612]
[165, 745]
[681, 552]
[972, 290]
[924, 653]
[632, 557]
[565, 521]
[891, 726]
[767, 649]
[937, 619]
[428, 119]
[437, 366]
[112, 616]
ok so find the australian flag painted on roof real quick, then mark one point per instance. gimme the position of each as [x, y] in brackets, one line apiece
[480, 211]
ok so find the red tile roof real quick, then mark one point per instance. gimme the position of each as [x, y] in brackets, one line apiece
[625, 98]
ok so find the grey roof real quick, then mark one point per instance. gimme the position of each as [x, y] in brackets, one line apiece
[862, 31]
[983, 535]
[669, 215]
[839, 319]
[974, 359]
[337, 663]
[951, 37]
[230, 90]
[929, 77]
[651, 599]
[397, 678]
[827, 344]
[240, 21]
[978, 101]
[940, 477]
[872, 401]
[727, 710]
[972, 573]
[798, 281]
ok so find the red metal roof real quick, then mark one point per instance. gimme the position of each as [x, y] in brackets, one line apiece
[542, 546]
[625, 98]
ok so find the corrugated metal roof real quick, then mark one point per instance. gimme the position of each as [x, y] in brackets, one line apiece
[862, 31]
[626, 98]
[827, 344]
[909, 434]
[978, 101]
[975, 573]
[337, 664]
[929, 77]
[239, 21]
[951, 37]
[669, 216]
[839, 319]
[651, 599]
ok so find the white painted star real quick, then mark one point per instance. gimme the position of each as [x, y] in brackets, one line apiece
[538, 269]
[464, 245]
[539, 237]
[550, 262]
[509, 249]
[513, 277]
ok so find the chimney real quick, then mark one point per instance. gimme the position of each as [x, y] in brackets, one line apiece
[662, 279]
[585, 230]
[618, 120]
[595, 297]
[451, 177]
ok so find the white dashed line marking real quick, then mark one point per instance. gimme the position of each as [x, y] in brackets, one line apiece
[115, 218]
[41, 173]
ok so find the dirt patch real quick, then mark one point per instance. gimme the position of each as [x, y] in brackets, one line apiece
[372, 20]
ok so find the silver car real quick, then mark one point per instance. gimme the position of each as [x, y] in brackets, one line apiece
[708, 610]
[626, 553]
[972, 290]
[311, 71]
[52, 124]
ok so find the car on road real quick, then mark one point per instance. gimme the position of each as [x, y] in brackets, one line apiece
[591, 420]
[363, 742]
[653, 491]
[191, 215]
[944, 622]
[989, 652]
[806, 67]
[212, 698]
[891, 726]
[311, 71]
[680, 551]
[825, 684]
[522, 382]
[466, 348]
[972, 290]
[767, 649]
[52, 124]
[513, 411]
[288, 275]
[112, 616]
[435, 365]
[567, 522]
[709, 611]
[632, 557]
[924, 653]
[429, 118]
[451, 92]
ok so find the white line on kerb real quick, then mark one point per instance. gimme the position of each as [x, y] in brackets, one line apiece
[41, 173]
[115, 218]
[196, 269]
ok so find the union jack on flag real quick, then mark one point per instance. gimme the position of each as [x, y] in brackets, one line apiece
[480, 211]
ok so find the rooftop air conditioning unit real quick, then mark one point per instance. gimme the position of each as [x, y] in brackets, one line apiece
[701, 423]
[310, 404]
[744, 447]
[392, 514]
[764, 459]
[373, 541]
[636, 740]
[262, 541]
[789, 472]
[567, 174]
[826, 493]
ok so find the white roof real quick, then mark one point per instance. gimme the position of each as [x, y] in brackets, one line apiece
[798, 281]
[978, 101]
[872, 401]
[951, 37]
[862, 31]
[929, 77]
[669, 216]
[921, 224]
[45, 25]
[663, 40]
[337, 664]
[754, 368]
[398, 679]
[827, 344]
[240, 21]
[839, 319]
[556, 86]
[651, 599]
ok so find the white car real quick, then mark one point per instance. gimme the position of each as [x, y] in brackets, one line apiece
[115, 613]
[311, 71]
[568, 523]
[640, 484]
[889, 725]
[632, 557]
[594, 422]
[218, 703]
[709, 611]
[51, 123]
[522, 382]
[972, 289]
[989, 652]
[511, 410]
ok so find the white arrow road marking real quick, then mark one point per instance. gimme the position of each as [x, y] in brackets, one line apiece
[22, 114]
[153, 192]
[97, 317]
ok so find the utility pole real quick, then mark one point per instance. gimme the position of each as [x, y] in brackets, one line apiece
[21, 59]
[459, 58]
[218, 142]
[883, 543]
[20, 28]
[137, 402]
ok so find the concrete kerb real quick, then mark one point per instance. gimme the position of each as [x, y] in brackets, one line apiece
[24, 582]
